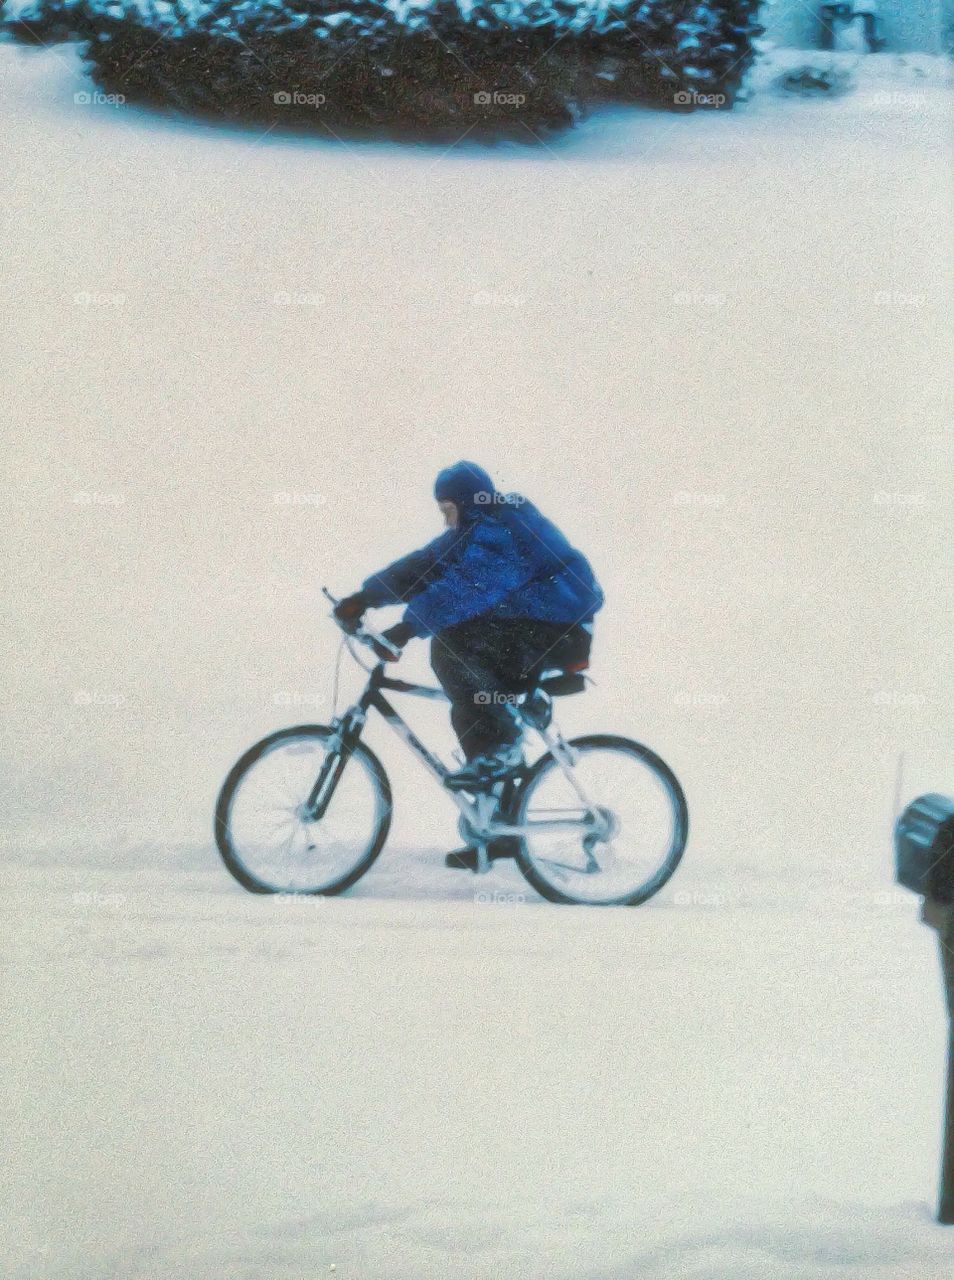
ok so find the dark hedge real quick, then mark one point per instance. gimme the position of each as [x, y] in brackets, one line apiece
[447, 66]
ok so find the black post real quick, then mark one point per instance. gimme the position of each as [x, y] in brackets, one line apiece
[945, 1210]
[924, 862]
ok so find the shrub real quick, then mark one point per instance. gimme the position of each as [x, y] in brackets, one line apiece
[444, 65]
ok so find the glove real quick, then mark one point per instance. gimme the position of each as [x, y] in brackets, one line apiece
[350, 609]
[398, 635]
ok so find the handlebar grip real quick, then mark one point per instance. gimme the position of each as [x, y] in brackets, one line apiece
[373, 640]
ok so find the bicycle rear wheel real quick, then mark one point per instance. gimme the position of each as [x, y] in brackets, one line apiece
[646, 816]
[266, 843]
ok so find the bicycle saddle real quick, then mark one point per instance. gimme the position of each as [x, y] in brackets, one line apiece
[560, 681]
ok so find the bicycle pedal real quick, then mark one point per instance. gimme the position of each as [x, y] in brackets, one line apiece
[475, 786]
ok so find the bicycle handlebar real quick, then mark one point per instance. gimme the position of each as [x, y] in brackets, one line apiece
[371, 639]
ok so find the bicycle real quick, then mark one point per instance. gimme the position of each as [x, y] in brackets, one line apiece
[324, 801]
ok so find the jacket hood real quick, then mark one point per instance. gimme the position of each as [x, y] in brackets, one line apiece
[466, 484]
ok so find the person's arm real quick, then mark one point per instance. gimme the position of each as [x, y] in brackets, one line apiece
[407, 577]
[487, 572]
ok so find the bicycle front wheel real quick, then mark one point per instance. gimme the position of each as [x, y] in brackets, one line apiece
[262, 835]
[644, 818]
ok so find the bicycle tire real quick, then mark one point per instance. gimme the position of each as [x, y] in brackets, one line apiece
[680, 811]
[246, 878]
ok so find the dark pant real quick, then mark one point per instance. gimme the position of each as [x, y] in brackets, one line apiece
[483, 662]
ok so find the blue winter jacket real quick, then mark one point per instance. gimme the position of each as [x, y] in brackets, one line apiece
[504, 558]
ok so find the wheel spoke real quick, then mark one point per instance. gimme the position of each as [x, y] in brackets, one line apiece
[267, 842]
[641, 798]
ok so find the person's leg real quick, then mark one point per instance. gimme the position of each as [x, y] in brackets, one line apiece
[467, 661]
[485, 661]
[482, 663]
[537, 645]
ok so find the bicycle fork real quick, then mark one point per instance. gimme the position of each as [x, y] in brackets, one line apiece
[347, 730]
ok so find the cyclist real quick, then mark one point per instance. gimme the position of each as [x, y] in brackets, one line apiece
[503, 595]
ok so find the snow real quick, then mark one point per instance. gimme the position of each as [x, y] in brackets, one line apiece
[713, 347]
[214, 1085]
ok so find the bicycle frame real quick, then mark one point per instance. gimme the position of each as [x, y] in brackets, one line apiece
[480, 820]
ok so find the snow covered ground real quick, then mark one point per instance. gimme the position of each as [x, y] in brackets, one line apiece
[213, 1087]
[712, 346]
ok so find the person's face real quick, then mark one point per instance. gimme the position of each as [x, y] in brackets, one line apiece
[450, 513]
